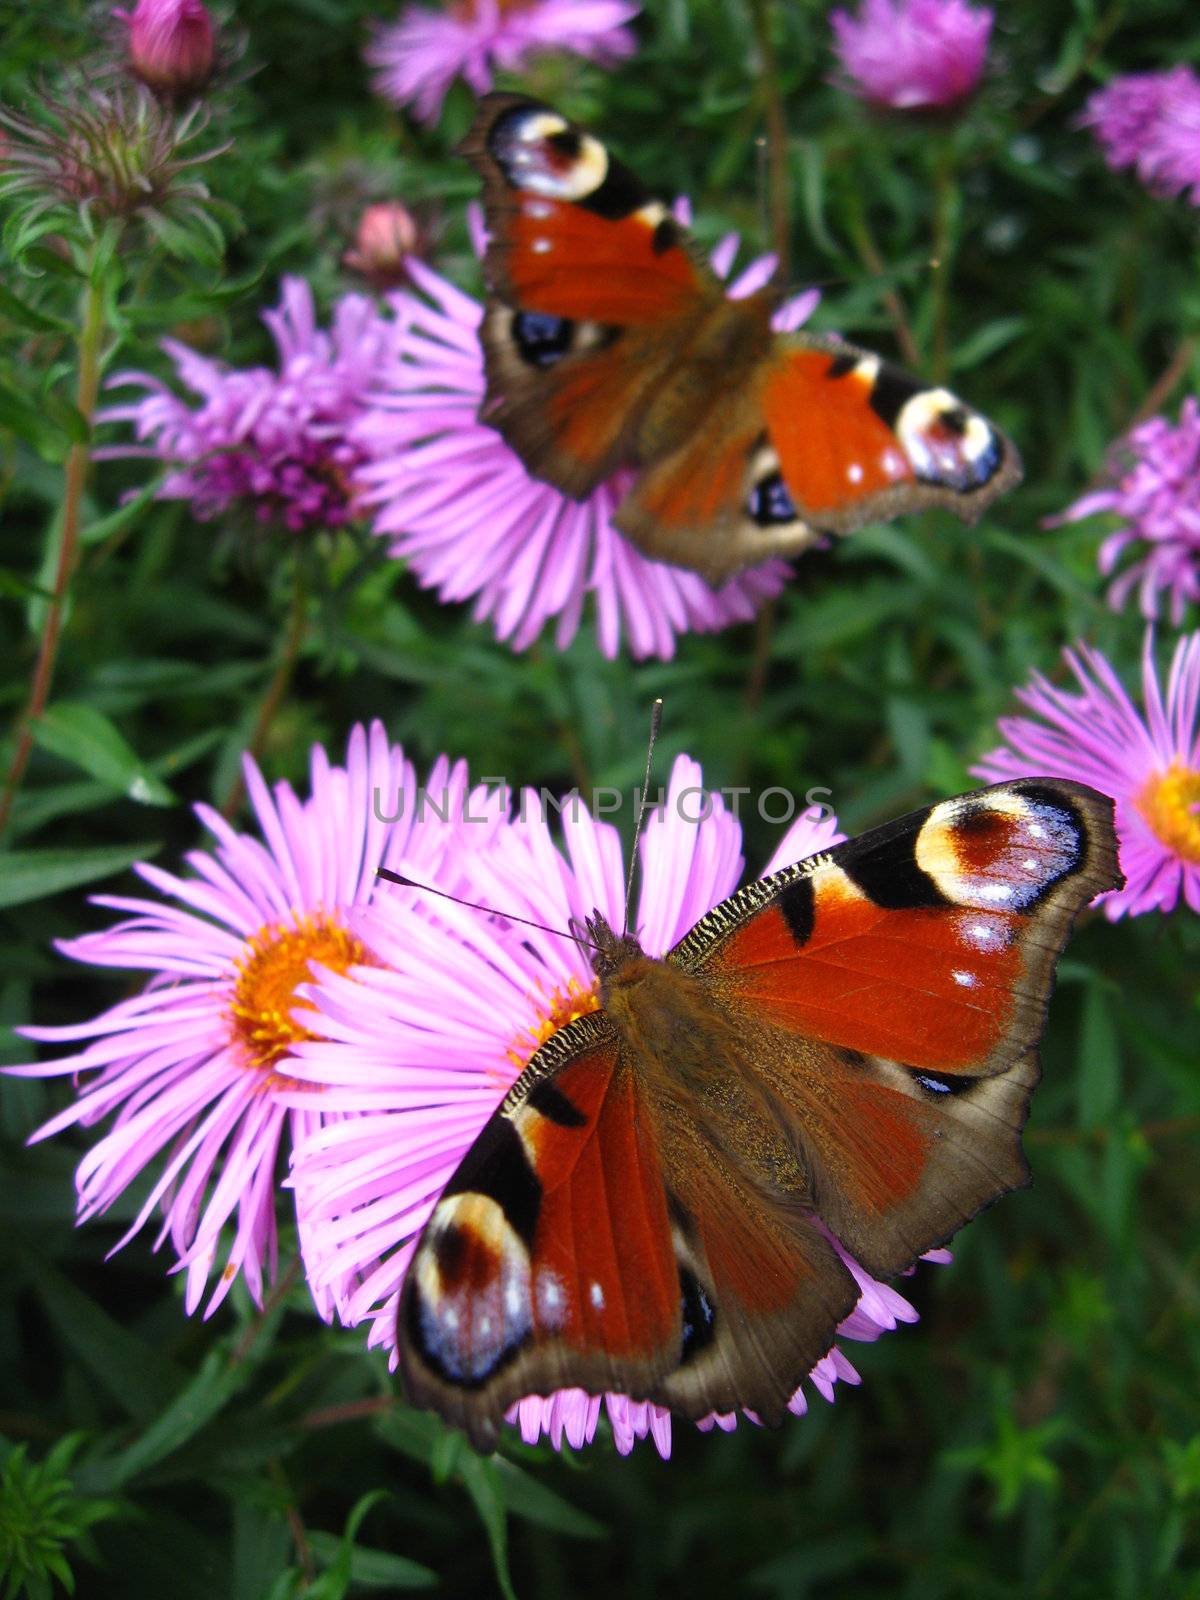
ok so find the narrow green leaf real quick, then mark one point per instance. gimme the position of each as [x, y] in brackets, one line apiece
[29, 317]
[27, 875]
[81, 734]
[1099, 1079]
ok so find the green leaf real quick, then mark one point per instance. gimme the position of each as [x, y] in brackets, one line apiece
[1099, 1060]
[27, 875]
[85, 736]
[30, 317]
[137, 1376]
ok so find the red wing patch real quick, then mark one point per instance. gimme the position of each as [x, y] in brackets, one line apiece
[928, 942]
[833, 448]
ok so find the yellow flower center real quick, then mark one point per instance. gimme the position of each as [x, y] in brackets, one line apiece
[553, 1011]
[1170, 803]
[273, 965]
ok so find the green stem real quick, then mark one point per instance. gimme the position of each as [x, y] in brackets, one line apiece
[277, 689]
[868, 254]
[945, 206]
[78, 460]
[778, 188]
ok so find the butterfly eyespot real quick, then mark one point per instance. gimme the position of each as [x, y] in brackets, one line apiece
[770, 503]
[946, 444]
[698, 1316]
[568, 143]
[940, 1087]
[542, 340]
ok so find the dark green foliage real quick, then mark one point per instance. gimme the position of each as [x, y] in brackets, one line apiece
[1038, 1433]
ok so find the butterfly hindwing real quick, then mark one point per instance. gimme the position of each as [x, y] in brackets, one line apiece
[897, 985]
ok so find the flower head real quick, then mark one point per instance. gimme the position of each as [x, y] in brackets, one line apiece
[417, 58]
[276, 442]
[111, 152]
[1148, 761]
[387, 235]
[913, 55]
[172, 45]
[423, 1046]
[1157, 497]
[191, 1068]
[457, 503]
[1151, 121]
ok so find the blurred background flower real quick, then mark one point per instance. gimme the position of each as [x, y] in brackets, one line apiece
[417, 57]
[1156, 494]
[1151, 121]
[913, 55]
[278, 444]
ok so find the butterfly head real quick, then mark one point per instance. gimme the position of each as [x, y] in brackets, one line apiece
[610, 952]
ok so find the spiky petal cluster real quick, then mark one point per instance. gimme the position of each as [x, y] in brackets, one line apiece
[1156, 494]
[190, 1068]
[275, 442]
[418, 57]
[110, 151]
[1151, 121]
[911, 55]
[1149, 761]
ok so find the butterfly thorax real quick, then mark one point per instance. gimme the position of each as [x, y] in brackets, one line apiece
[728, 342]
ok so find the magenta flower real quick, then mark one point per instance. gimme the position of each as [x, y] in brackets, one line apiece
[913, 55]
[171, 45]
[422, 1047]
[1157, 498]
[459, 506]
[191, 1068]
[1151, 121]
[275, 442]
[1149, 762]
[417, 58]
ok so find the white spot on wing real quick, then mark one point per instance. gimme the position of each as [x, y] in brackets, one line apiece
[596, 1296]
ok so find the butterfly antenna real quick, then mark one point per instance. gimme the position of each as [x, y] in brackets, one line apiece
[655, 725]
[411, 883]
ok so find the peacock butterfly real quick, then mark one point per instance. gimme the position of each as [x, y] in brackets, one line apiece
[609, 343]
[846, 1048]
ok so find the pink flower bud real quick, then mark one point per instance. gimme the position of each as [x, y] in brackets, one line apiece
[387, 235]
[171, 45]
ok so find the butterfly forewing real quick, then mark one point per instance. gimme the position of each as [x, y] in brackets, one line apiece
[897, 986]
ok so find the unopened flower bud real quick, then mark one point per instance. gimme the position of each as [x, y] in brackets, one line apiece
[172, 45]
[387, 236]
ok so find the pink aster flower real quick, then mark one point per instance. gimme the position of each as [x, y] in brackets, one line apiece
[422, 1047]
[913, 55]
[1157, 498]
[171, 45]
[417, 58]
[1149, 761]
[276, 442]
[190, 1069]
[1151, 121]
[457, 503]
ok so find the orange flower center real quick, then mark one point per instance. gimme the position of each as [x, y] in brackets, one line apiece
[1170, 803]
[553, 1011]
[273, 965]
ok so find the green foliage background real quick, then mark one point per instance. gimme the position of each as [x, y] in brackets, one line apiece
[1038, 1433]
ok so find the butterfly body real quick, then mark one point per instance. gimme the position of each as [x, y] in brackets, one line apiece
[610, 344]
[839, 1058]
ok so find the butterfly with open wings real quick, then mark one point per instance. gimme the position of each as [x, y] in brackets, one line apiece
[845, 1048]
[609, 343]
